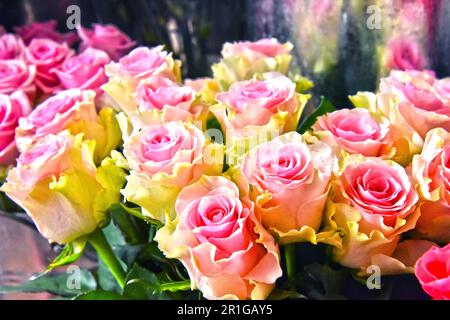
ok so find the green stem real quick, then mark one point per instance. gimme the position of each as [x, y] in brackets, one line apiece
[98, 241]
[289, 255]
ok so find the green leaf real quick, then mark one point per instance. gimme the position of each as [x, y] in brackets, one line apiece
[324, 107]
[126, 223]
[100, 295]
[63, 284]
[114, 235]
[71, 252]
[137, 213]
[144, 284]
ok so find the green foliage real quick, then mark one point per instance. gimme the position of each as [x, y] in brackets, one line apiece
[324, 107]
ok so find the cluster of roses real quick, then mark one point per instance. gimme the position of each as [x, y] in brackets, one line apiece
[38, 61]
[217, 162]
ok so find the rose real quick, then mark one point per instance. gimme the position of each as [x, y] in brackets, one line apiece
[263, 48]
[107, 38]
[144, 62]
[226, 251]
[45, 30]
[141, 63]
[263, 106]
[84, 71]
[44, 181]
[355, 131]
[242, 60]
[158, 99]
[47, 55]
[405, 54]
[16, 75]
[163, 159]
[206, 88]
[11, 47]
[431, 172]
[254, 102]
[11, 109]
[75, 111]
[433, 272]
[159, 92]
[419, 105]
[373, 203]
[290, 183]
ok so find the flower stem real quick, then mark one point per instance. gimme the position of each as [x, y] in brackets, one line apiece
[289, 255]
[98, 241]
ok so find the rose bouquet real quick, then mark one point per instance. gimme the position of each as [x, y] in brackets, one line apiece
[219, 187]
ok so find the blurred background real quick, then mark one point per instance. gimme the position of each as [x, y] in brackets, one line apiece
[343, 45]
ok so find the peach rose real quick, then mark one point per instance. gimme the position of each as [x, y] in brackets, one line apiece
[47, 55]
[431, 173]
[258, 107]
[17, 75]
[107, 38]
[141, 63]
[72, 110]
[11, 47]
[144, 62]
[290, 183]
[433, 272]
[355, 131]
[45, 30]
[217, 237]
[260, 49]
[84, 71]
[163, 159]
[419, 104]
[242, 60]
[61, 189]
[373, 202]
[11, 109]
[157, 92]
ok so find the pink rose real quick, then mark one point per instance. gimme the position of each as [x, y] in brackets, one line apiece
[433, 272]
[107, 38]
[421, 107]
[254, 102]
[11, 47]
[405, 54]
[158, 92]
[47, 55]
[84, 71]
[355, 131]
[373, 202]
[45, 30]
[290, 183]
[431, 172]
[226, 251]
[144, 62]
[16, 75]
[11, 109]
[55, 114]
[256, 50]
[382, 192]
[163, 159]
